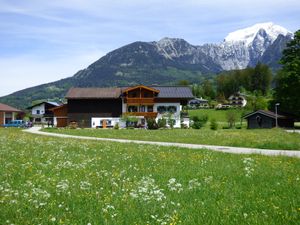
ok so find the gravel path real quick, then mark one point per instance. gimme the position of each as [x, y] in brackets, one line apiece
[234, 150]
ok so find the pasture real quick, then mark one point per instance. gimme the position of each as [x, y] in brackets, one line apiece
[255, 138]
[46, 180]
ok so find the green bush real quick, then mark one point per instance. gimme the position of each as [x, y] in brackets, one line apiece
[151, 123]
[199, 121]
[162, 123]
[231, 118]
[171, 123]
[116, 127]
[213, 124]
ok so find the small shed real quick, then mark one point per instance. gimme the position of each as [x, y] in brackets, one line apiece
[267, 119]
[8, 113]
[60, 118]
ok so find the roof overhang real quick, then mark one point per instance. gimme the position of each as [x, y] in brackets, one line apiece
[265, 114]
[141, 86]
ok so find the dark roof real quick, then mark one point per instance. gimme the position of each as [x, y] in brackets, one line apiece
[174, 92]
[198, 101]
[80, 93]
[7, 108]
[171, 91]
[267, 113]
[54, 104]
[164, 92]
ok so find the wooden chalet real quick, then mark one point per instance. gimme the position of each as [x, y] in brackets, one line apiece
[104, 107]
[8, 113]
[60, 115]
[267, 119]
[41, 113]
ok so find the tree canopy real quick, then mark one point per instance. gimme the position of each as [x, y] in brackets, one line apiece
[287, 90]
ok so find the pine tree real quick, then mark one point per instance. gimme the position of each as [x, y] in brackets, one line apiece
[287, 91]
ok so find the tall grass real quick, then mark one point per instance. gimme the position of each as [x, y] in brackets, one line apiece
[46, 180]
[255, 138]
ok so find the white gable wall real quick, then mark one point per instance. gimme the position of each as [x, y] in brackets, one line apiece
[38, 107]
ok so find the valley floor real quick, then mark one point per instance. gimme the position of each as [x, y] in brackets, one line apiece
[257, 138]
[49, 180]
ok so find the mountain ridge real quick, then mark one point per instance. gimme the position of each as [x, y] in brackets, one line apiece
[165, 62]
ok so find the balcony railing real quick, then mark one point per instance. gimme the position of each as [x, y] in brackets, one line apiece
[145, 114]
[139, 100]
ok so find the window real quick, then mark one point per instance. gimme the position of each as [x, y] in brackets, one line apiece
[132, 108]
[37, 111]
[132, 94]
[161, 109]
[172, 109]
[142, 108]
[150, 108]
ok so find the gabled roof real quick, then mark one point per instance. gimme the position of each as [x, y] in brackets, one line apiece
[163, 92]
[141, 86]
[90, 93]
[266, 113]
[54, 104]
[7, 108]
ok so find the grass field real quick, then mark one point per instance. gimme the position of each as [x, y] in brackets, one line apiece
[218, 115]
[257, 138]
[46, 180]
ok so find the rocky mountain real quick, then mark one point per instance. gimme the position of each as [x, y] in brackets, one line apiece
[167, 61]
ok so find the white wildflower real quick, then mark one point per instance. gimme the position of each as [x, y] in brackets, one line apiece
[62, 186]
[84, 185]
[249, 166]
[174, 186]
[147, 190]
[193, 184]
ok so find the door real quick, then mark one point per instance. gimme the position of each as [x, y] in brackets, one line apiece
[104, 123]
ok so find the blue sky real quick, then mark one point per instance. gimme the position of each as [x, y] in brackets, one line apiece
[43, 41]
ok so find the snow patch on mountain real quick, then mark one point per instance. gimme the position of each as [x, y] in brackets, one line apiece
[240, 48]
[247, 35]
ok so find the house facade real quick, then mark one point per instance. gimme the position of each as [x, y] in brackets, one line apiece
[60, 115]
[105, 107]
[41, 113]
[237, 100]
[8, 113]
[198, 103]
[267, 119]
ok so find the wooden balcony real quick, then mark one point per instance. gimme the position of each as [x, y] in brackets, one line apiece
[140, 101]
[144, 114]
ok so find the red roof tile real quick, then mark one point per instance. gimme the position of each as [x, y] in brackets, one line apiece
[7, 108]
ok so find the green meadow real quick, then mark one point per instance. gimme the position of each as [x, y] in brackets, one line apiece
[47, 180]
[218, 115]
[254, 138]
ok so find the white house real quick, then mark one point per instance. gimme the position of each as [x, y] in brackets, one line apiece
[105, 107]
[40, 113]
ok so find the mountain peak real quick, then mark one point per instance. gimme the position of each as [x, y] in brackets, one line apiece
[247, 35]
[168, 41]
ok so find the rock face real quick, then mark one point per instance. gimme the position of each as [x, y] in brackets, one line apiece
[239, 49]
[167, 61]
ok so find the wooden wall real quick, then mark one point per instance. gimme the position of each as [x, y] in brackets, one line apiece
[82, 110]
[2, 118]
